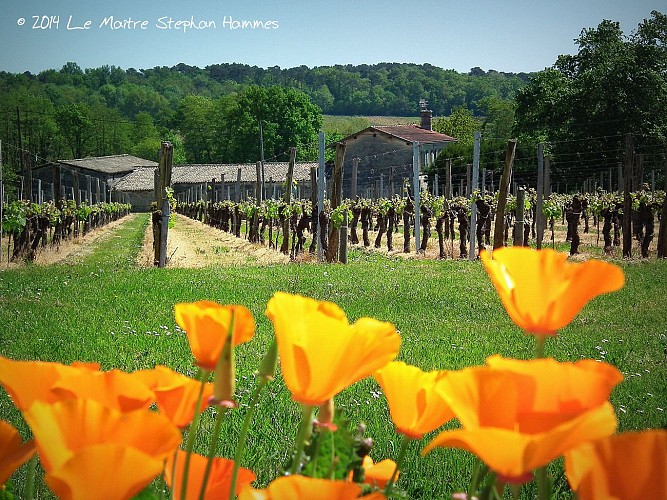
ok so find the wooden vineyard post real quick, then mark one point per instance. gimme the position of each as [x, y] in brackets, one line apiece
[342, 254]
[539, 223]
[662, 232]
[313, 214]
[287, 198]
[499, 227]
[336, 199]
[56, 185]
[416, 150]
[448, 178]
[77, 200]
[472, 187]
[353, 182]
[165, 166]
[638, 181]
[237, 188]
[321, 236]
[259, 185]
[519, 222]
[28, 176]
[627, 201]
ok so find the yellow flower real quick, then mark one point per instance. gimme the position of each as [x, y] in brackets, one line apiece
[176, 394]
[519, 415]
[219, 480]
[303, 488]
[541, 291]
[13, 452]
[415, 404]
[320, 352]
[207, 323]
[91, 451]
[628, 465]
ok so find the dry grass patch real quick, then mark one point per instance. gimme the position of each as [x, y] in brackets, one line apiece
[192, 244]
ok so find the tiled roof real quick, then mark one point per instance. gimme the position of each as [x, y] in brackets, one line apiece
[413, 133]
[408, 133]
[115, 164]
[142, 179]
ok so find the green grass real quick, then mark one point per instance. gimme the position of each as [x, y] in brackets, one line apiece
[102, 308]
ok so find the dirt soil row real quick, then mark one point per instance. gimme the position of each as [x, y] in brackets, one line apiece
[192, 244]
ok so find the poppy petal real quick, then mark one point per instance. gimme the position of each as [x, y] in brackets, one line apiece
[104, 472]
[13, 451]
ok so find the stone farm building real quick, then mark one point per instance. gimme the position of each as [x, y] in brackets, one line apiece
[384, 154]
[203, 181]
[95, 175]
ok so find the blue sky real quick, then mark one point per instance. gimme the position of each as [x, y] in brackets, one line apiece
[510, 35]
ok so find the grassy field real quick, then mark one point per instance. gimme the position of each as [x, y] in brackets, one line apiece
[103, 308]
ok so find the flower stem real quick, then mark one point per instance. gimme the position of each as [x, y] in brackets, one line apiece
[543, 483]
[480, 471]
[305, 428]
[211, 448]
[202, 375]
[540, 341]
[401, 455]
[240, 445]
[172, 495]
[332, 471]
[29, 489]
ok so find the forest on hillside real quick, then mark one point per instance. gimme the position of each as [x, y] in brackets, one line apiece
[74, 112]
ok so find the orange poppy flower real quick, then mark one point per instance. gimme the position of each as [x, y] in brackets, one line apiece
[415, 404]
[303, 488]
[62, 430]
[104, 472]
[114, 388]
[29, 381]
[628, 465]
[219, 480]
[13, 451]
[377, 474]
[519, 415]
[176, 394]
[320, 352]
[207, 323]
[541, 291]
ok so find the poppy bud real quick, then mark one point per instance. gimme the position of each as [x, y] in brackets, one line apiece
[269, 362]
[224, 379]
[365, 447]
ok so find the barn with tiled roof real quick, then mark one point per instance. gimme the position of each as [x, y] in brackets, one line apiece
[381, 156]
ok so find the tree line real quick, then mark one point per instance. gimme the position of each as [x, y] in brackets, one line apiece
[224, 113]
[581, 107]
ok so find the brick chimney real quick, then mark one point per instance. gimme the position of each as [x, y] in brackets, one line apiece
[426, 115]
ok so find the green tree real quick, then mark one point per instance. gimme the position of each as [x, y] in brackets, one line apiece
[196, 119]
[461, 124]
[287, 116]
[498, 117]
[76, 128]
[585, 103]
